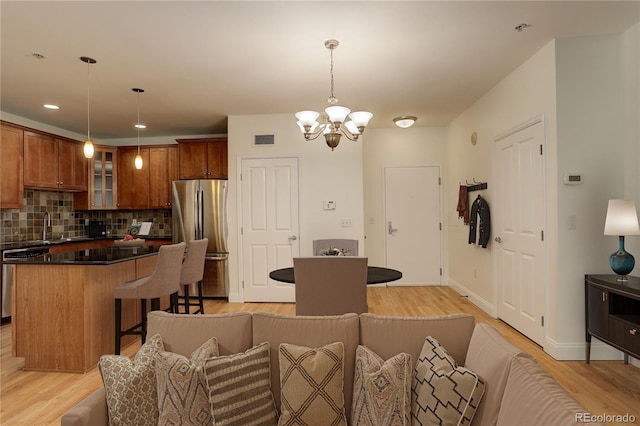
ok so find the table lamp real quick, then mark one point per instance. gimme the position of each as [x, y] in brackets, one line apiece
[622, 220]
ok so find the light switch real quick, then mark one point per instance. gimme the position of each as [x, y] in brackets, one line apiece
[345, 223]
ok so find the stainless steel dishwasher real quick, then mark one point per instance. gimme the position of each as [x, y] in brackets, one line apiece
[8, 271]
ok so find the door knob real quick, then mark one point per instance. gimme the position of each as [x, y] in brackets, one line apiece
[498, 240]
[293, 238]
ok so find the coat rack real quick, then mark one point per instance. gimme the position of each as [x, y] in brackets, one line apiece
[475, 186]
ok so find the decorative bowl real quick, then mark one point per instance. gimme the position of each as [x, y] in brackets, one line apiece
[138, 242]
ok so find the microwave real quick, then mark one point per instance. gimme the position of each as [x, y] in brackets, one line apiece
[97, 228]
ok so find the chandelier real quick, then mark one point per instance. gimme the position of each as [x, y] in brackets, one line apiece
[334, 124]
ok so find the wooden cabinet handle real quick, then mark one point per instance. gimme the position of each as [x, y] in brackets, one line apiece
[633, 331]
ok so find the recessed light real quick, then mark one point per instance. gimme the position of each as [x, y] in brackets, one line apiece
[140, 126]
[51, 106]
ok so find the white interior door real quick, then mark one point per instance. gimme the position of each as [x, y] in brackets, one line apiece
[412, 224]
[269, 226]
[521, 280]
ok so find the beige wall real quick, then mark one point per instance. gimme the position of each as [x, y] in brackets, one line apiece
[324, 175]
[416, 146]
[526, 93]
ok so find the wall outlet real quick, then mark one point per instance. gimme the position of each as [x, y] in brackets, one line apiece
[345, 223]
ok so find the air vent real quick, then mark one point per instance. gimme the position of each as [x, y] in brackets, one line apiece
[264, 140]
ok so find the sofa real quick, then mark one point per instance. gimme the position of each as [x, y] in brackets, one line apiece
[517, 390]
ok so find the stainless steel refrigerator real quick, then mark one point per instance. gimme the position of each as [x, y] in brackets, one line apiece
[200, 211]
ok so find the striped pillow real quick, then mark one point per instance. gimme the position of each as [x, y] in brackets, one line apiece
[239, 388]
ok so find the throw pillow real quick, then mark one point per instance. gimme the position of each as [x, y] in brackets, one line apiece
[312, 383]
[130, 386]
[239, 388]
[443, 392]
[182, 390]
[381, 389]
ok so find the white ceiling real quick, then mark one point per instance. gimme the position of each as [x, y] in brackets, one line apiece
[202, 61]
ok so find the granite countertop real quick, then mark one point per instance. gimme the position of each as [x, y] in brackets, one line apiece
[51, 242]
[97, 256]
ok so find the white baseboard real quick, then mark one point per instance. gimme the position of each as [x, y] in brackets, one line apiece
[481, 303]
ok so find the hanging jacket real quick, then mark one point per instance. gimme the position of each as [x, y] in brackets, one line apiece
[480, 208]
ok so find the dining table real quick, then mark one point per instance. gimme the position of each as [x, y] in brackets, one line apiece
[375, 275]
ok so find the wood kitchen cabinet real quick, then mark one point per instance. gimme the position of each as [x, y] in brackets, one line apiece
[133, 184]
[163, 169]
[612, 313]
[203, 158]
[149, 187]
[11, 167]
[102, 172]
[53, 163]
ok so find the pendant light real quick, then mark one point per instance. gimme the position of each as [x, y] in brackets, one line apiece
[88, 145]
[138, 161]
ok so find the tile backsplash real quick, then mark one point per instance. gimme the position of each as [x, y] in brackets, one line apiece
[26, 224]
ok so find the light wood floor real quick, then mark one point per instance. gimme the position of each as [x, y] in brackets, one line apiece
[604, 387]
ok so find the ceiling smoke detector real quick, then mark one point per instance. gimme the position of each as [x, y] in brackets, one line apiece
[521, 27]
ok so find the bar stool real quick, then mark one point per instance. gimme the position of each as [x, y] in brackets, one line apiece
[165, 280]
[193, 272]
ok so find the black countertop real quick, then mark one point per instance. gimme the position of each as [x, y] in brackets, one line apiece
[52, 242]
[97, 256]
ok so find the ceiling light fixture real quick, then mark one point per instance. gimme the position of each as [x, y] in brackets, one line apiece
[405, 121]
[334, 126]
[88, 145]
[138, 160]
[51, 106]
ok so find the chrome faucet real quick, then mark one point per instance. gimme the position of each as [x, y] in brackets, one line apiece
[46, 221]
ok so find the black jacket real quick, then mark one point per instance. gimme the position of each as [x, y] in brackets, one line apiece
[480, 207]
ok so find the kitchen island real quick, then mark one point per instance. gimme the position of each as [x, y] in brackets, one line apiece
[63, 306]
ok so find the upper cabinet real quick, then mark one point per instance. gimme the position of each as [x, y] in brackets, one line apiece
[163, 169]
[203, 158]
[149, 187]
[133, 184]
[11, 172]
[102, 193]
[53, 163]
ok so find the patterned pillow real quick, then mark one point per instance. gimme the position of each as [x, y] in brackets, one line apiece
[182, 390]
[442, 392]
[381, 389]
[239, 388]
[132, 397]
[312, 385]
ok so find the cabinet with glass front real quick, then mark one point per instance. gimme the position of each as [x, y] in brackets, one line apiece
[102, 193]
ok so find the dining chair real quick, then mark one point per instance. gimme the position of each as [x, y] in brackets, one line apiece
[330, 285]
[192, 274]
[164, 281]
[351, 246]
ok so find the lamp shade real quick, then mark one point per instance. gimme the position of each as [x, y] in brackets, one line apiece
[622, 218]
[337, 113]
[307, 118]
[360, 118]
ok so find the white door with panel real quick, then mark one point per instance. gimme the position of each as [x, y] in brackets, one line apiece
[519, 230]
[269, 193]
[413, 224]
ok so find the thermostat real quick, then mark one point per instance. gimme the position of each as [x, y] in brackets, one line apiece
[572, 178]
[329, 205]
